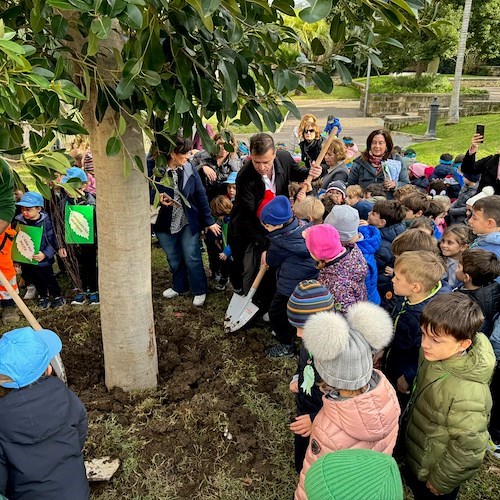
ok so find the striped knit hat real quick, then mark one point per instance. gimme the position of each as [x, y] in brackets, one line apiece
[309, 297]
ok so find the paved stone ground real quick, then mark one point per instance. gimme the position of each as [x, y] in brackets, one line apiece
[351, 117]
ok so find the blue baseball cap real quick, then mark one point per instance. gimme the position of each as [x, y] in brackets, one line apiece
[75, 173]
[25, 354]
[31, 199]
[231, 178]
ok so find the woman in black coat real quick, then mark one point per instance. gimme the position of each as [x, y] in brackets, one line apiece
[488, 167]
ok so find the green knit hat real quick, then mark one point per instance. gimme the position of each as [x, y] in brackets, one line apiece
[350, 474]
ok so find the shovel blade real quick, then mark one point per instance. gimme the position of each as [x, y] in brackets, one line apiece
[240, 311]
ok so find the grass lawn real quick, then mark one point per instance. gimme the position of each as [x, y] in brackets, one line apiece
[455, 139]
[339, 92]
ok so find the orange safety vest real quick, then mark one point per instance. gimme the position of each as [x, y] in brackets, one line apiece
[6, 264]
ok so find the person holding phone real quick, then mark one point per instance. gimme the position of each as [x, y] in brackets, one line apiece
[488, 167]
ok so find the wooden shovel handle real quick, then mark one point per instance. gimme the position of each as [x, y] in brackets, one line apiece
[258, 278]
[19, 302]
[318, 160]
[56, 363]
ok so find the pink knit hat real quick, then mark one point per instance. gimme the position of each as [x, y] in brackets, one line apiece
[323, 242]
[417, 169]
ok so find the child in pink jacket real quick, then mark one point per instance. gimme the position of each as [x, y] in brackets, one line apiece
[360, 406]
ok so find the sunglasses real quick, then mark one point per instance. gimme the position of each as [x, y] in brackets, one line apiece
[311, 130]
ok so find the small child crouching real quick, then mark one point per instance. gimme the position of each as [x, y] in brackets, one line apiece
[360, 407]
[446, 425]
[43, 425]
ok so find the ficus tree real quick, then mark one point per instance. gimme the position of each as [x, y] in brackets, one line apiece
[112, 68]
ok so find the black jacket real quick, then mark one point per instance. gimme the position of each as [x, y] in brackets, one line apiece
[488, 298]
[245, 227]
[42, 432]
[487, 167]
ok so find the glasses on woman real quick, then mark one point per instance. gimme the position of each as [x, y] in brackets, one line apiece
[309, 131]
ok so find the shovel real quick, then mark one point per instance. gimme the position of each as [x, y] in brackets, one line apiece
[241, 309]
[56, 363]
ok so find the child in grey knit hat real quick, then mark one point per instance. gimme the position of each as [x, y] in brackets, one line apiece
[360, 407]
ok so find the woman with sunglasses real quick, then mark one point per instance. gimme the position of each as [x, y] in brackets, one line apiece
[310, 145]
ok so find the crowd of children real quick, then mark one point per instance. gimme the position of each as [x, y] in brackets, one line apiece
[392, 289]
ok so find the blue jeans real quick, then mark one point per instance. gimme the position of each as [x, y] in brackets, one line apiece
[184, 258]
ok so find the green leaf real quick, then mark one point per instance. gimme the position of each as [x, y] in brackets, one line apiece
[60, 4]
[323, 81]
[208, 7]
[70, 89]
[337, 29]
[285, 6]
[343, 72]
[125, 88]
[4, 138]
[404, 6]
[317, 47]
[37, 21]
[122, 125]
[43, 72]
[393, 41]
[81, 5]
[93, 44]
[59, 26]
[132, 17]
[11, 107]
[152, 78]
[319, 9]
[132, 68]
[230, 79]
[43, 189]
[12, 47]
[41, 81]
[375, 60]
[254, 116]
[113, 146]
[292, 108]
[234, 31]
[66, 126]
[34, 141]
[181, 103]
[56, 161]
[101, 26]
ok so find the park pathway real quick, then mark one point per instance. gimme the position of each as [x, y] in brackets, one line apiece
[351, 117]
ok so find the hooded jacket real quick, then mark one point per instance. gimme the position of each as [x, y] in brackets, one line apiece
[288, 253]
[447, 424]
[488, 298]
[368, 246]
[489, 242]
[42, 432]
[368, 421]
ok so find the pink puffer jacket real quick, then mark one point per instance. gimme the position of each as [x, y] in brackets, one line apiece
[368, 421]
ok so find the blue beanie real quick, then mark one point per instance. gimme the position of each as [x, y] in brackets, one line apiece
[75, 173]
[277, 211]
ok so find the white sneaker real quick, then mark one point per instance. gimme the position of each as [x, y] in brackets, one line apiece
[199, 300]
[170, 293]
[493, 448]
[31, 293]
[265, 317]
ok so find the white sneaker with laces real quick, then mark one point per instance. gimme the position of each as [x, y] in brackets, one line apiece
[199, 300]
[170, 293]
[30, 293]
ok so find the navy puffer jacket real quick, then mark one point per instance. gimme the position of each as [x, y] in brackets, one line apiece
[288, 253]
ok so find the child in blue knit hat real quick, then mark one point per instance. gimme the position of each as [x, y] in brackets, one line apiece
[43, 425]
[309, 297]
[287, 255]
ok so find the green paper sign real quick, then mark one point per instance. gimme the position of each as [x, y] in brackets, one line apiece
[26, 244]
[79, 224]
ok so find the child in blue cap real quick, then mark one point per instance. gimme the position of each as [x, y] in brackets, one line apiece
[41, 275]
[43, 425]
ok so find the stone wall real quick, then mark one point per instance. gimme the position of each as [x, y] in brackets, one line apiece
[480, 82]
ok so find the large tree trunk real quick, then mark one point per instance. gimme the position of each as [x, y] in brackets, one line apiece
[453, 113]
[124, 245]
